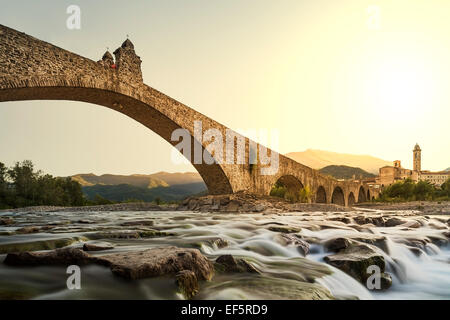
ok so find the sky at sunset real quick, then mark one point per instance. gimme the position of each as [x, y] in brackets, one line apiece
[351, 76]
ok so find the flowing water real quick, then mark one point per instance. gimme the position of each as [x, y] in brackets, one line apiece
[285, 272]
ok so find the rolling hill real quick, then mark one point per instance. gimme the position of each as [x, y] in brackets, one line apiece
[345, 172]
[318, 159]
[164, 185]
[160, 179]
[122, 192]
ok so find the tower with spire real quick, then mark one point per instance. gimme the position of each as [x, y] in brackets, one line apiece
[417, 158]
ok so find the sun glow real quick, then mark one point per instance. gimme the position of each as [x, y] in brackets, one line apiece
[398, 87]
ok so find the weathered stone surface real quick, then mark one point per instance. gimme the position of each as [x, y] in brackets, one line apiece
[228, 263]
[355, 260]
[186, 281]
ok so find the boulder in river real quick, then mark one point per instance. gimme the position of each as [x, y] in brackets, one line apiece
[228, 263]
[355, 260]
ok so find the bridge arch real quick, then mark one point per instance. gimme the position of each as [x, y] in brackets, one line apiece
[338, 196]
[288, 187]
[321, 195]
[361, 195]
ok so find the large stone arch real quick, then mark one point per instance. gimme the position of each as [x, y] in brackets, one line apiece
[338, 196]
[361, 195]
[321, 195]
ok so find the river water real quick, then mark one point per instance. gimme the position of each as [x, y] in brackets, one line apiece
[285, 272]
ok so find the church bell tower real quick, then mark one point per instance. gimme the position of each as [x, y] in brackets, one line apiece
[417, 158]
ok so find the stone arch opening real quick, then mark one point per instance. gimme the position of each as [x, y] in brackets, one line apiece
[361, 195]
[368, 195]
[321, 195]
[338, 196]
[351, 199]
[287, 187]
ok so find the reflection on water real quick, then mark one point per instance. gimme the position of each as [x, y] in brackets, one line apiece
[285, 273]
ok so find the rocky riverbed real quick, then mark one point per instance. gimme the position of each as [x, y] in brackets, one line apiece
[284, 251]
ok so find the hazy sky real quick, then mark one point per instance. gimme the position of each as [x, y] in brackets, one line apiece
[355, 76]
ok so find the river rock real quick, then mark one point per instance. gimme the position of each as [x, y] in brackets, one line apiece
[221, 243]
[355, 260]
[385, 281]
[288, 239]
[158, 262]
[186, 280]
[337, 244]
[6, 221]
[28, 229]
[64, 256]
[137, 223]
[228, 263]
[392, 222]
[284, 229]
[97, 247]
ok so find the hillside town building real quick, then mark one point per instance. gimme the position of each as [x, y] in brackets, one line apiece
[391, 174]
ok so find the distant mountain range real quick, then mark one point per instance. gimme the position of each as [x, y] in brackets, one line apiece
[345, 172]
[318, 159]
[160, 179]
[163, 185]
[448, 169]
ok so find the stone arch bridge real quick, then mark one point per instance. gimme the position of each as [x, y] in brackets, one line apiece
[31, 69]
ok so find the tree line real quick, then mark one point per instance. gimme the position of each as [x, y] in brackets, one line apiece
[21, 186]
[408, 190]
